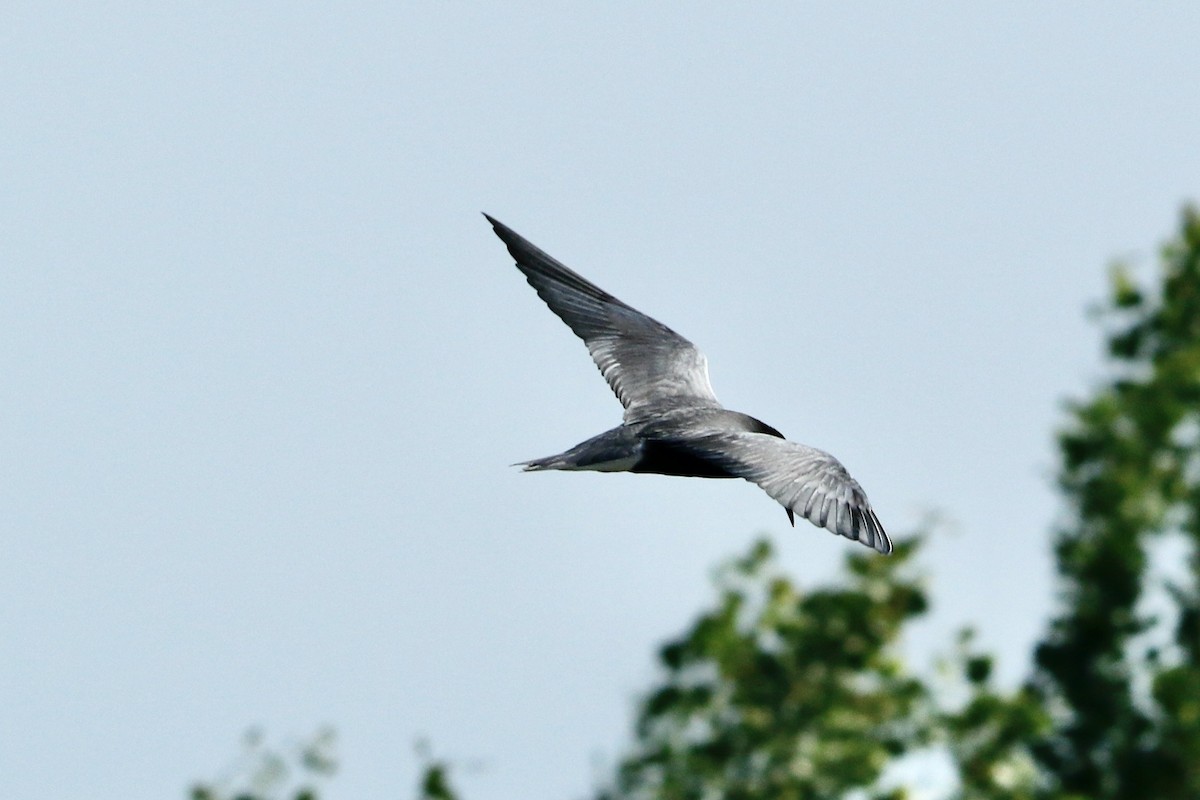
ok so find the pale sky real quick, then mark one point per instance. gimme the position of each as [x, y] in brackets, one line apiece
[265, 365]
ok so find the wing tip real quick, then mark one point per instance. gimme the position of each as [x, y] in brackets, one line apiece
[879, 538]
[499, 227]
[524, 252]
[856, 524]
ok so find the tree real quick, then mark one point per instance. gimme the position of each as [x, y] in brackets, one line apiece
[1126, 710]
[782, 694]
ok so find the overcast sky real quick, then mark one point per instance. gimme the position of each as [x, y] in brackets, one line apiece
[265, 366]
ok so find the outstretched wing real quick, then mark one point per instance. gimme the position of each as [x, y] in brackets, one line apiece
[804, 480]
[643, 360]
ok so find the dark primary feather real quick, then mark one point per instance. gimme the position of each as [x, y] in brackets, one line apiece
[644, 361]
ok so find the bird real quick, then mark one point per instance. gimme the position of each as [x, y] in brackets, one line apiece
[673, 423]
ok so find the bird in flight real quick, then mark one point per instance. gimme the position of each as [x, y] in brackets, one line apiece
[673, 424]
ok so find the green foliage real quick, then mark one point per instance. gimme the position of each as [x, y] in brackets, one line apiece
[263, 773]
[435, 776]
[435, 782]
[1130, 472]
[988, 735]
[780, 693]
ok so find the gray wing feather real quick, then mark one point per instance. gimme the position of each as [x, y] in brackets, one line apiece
[643, 360]
[804, 480]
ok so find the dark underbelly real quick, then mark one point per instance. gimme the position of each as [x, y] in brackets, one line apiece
[662, 458]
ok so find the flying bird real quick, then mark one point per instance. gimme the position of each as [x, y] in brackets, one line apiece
[673, 424]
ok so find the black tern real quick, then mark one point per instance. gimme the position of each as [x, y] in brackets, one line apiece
[673, 424]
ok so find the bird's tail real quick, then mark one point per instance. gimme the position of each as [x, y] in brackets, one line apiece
[549, 462]
[616, 450]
